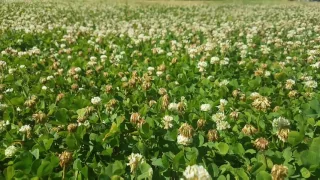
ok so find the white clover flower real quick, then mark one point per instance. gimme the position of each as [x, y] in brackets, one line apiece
[184, 140]
[91, 63]
[220, 116]
[93, 58]
[280, 123]
[134, 161]
[103, 58]
[205, 107]
[173, 107]
[196, 172]
[225, 61]
[151, 69]
[289, 84]
[44, 88]
[214, 60]
[86, 124]
[254, 95]
[267, 73]
[22, 66]
[77, 69]
[3, 125]
[316, 65]
[25, 128]
[2, 106]
[95, 100]
[3, 63]
[10, 151]
[11, 70]
[159, 73]
[311, 84]
[167, 122]
[202, 64]
[8, 90]
[123, 79]
[222, 125]
[223, 102]
[49, 78]
[210, 78]
[224, 83]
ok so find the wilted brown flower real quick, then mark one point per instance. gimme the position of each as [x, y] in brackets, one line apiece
[89, 110]
[162, 91]
[146, 85]
[39, 117]
[99, 68]
[81, 119]
[152, 102]
[235, 93]
[72, 127]
[162, 67]
[165, 101]
[234, 114]
[243, 97]
[283, 134]
[168, 77]
[89, 72]
[2, 86]
[213, 135]
[31, 102]
[261, 144]
[74, 86]
[261, 103]
[275, 109]
[258, 72]
[279, 172]
[181, 107]
[186, 130]
[173, 61]
[132, 82]
[292, 93]
[249, 130]
[201, 123]
[59, 97]
[65, 158]
[108, 88]
[135, 118]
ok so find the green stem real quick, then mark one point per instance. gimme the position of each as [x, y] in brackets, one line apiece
[257, 120]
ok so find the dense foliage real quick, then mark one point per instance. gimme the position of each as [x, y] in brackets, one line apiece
[96, 91]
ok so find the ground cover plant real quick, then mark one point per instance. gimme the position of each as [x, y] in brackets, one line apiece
[100, 91]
